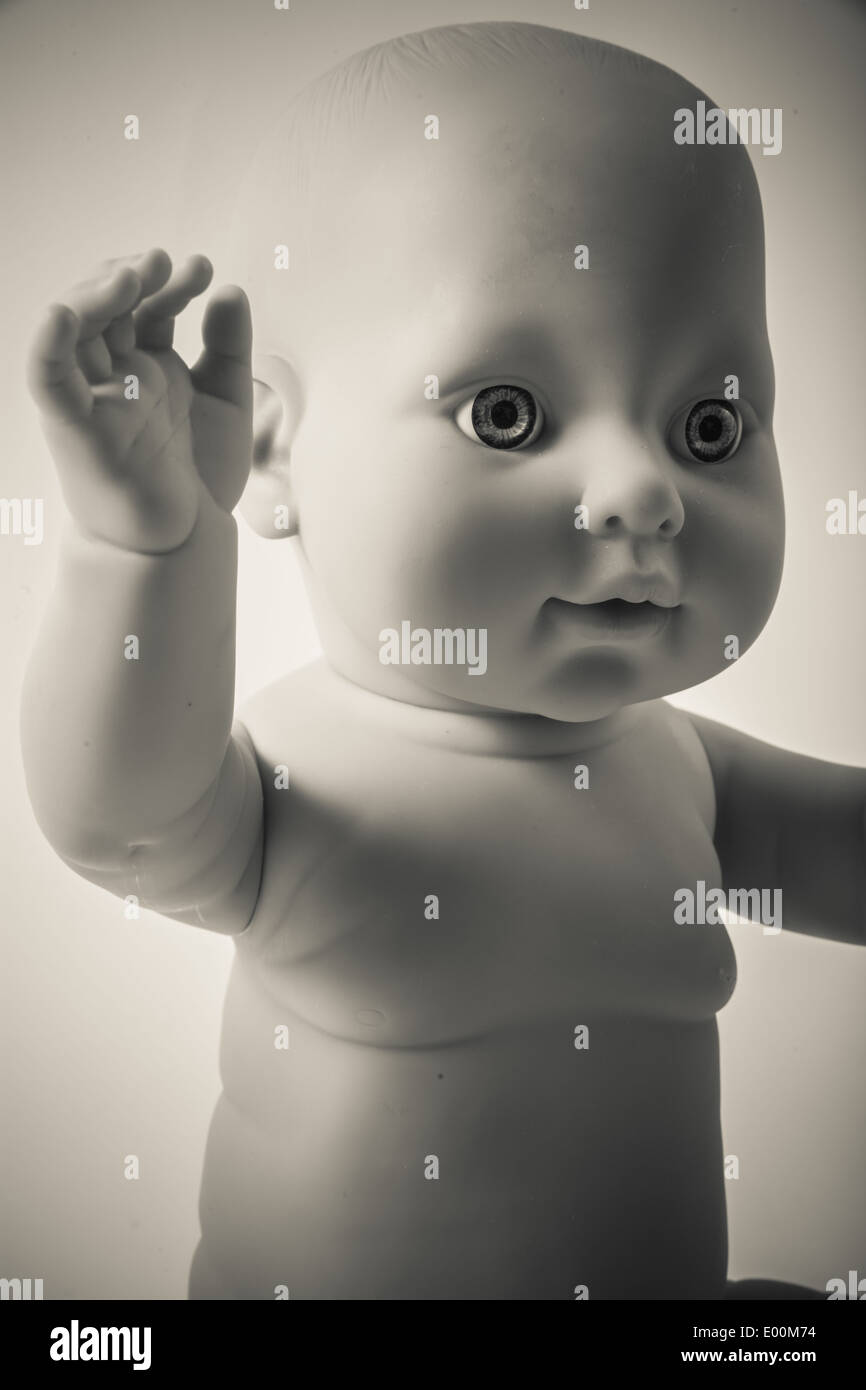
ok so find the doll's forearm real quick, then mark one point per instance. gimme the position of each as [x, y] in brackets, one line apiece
[129, 694]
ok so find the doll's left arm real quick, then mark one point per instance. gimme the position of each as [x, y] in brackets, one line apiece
[790, 822]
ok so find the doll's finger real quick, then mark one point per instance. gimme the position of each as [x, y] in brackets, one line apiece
[119, 336]
[152, 267]
[154, 318]
[54, 376]
[96, 302]
[223, 368]
[94, 359]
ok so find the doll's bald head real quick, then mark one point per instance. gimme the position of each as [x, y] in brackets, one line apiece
[504, 207]
[498, 103]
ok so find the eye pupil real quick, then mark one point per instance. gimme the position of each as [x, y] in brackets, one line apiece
[503, 415]
[710, 428]
[712, 431]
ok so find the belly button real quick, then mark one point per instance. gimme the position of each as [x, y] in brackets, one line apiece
[371, 1018]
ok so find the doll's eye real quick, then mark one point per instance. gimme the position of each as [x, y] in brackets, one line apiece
[502, 417]
[712, 431]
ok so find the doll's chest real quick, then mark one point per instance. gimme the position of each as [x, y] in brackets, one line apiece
[415, 895]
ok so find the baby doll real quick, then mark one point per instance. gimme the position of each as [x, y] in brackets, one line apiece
[469, 1046]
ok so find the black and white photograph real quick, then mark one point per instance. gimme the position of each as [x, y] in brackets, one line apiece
[433, 544]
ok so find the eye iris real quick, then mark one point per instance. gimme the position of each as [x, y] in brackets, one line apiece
[712, 431]
[504, 416]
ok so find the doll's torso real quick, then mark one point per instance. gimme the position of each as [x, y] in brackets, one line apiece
[405, 1112]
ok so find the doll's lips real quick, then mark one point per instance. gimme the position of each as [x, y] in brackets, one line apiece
[612, 619]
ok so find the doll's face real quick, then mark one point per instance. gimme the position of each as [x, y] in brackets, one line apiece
[559, 388]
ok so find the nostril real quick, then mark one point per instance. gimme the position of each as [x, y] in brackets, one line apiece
[612, 522]
[666, 527]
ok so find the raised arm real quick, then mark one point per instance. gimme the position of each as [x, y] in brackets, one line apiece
[791, 822]
[135, 775]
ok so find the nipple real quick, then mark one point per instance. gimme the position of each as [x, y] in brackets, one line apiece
[371, 1018]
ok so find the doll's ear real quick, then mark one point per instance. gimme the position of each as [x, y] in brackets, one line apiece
[268, 503]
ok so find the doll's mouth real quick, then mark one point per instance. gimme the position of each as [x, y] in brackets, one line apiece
[612, 619]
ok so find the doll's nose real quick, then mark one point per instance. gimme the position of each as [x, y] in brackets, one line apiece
[630, 492]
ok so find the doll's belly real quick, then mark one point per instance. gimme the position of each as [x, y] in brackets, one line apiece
[512, 1166]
